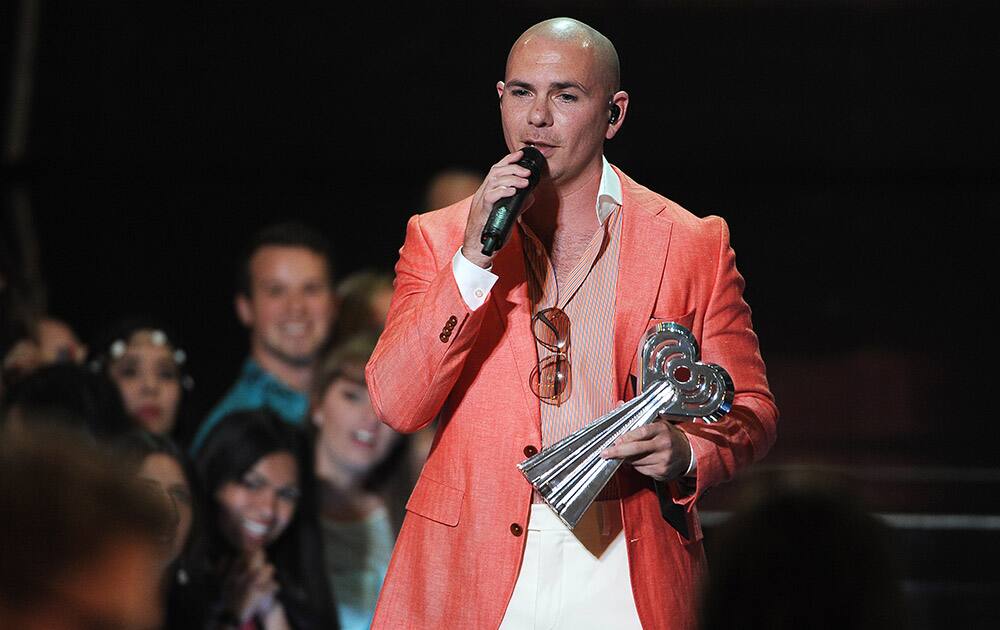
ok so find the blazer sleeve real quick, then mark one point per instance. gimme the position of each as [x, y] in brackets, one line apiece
[748, 431]
[428, 335]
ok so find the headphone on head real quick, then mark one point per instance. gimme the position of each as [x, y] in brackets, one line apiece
[615, 113]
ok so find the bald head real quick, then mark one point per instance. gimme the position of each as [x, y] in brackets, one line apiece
[560, 94]
[576, 33]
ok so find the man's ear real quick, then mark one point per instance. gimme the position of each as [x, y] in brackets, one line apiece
[244, 310]
[620, 100]
[500, 87]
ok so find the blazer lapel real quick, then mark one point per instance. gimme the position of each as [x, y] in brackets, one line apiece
[510, 300]
[645, 240]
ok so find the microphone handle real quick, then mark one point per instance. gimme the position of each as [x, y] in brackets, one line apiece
[501, 220]
[504, 213]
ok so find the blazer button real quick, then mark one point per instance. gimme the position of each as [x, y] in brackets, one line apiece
[452, 321]
[516, 529]
[444, 337]
[530, 450]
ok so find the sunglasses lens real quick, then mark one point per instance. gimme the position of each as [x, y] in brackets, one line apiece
[551, 328]
[550, 378]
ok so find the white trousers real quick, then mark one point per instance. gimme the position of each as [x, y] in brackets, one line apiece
[573, 579]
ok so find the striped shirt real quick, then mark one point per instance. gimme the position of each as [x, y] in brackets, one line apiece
[587, 296]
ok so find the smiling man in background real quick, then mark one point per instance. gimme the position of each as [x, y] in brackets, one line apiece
[285, 297]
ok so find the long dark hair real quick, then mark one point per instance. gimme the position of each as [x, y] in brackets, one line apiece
[68, 395]
[186, 604]
[232, 448]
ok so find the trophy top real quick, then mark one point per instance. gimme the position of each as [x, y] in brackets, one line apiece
[670, 352]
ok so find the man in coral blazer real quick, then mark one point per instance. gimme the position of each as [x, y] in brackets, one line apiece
[460, 349]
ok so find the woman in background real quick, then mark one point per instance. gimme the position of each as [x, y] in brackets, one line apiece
[364, 481]
[264, 548]
[157, 460]
[69, 395]
[149, 366]
[364, 298]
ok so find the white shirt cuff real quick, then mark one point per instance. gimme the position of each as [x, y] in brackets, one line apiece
[692, 465]
[474, 282]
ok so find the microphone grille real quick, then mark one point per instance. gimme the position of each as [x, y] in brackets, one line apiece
[533, 160]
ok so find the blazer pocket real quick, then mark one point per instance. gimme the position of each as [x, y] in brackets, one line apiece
[436, 501]
[686, 320]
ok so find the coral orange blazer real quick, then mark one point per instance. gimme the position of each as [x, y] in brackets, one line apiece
[459, 551]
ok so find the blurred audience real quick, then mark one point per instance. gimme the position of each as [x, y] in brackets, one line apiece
[158, 461]
[51, 341]
[364, 481]
[69, 395]
[285, 297]
[264, 548]
[30, 338]
[108, 523]
[447, 186]
[364, 298]
[46, 341]
[802, 553]
[81, 542]
[149, 366]
[450, 185]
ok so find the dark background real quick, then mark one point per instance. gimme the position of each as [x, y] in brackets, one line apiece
[852, 147]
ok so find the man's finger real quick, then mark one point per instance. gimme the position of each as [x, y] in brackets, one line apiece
[646, 432]
[629, 450]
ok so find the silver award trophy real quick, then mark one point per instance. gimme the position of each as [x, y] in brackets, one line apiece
[570, 473]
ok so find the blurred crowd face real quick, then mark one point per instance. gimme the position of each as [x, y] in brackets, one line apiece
[149, 381]
[256, 509]
[291, 303]
[120, 590]
[58, 343]
[450, 186]
[380, 302]
[65, 565]
[54, 342]
[350, 434]
[165, 473]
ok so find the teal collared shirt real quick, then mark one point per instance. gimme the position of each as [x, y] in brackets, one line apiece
[255, 388]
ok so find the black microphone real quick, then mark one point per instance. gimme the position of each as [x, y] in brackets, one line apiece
[505, 211]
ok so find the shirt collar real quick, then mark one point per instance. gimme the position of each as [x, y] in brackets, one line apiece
[251, 369]
[609, 194]
[253, 372]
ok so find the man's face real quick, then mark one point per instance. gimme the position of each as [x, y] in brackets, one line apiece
[291, 305]
[555, 97]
